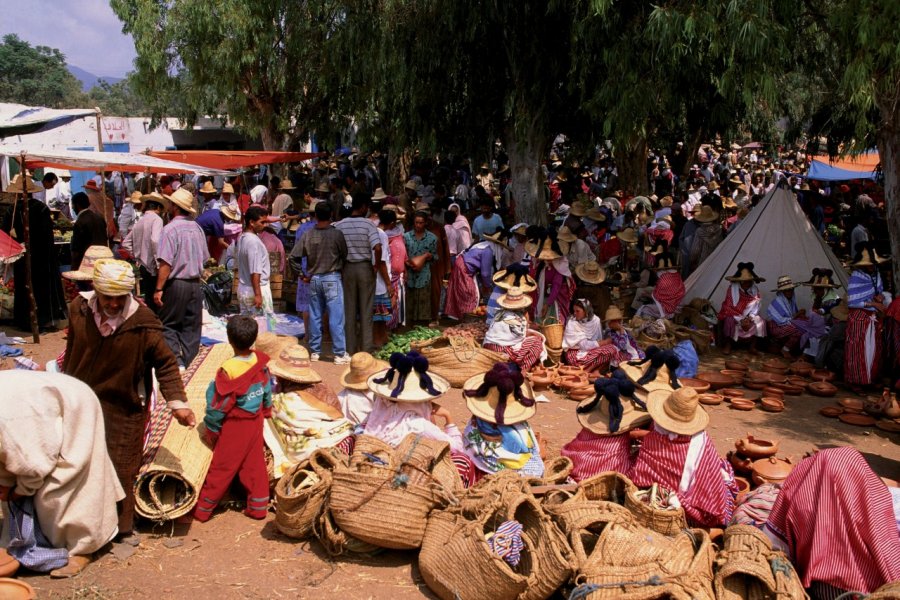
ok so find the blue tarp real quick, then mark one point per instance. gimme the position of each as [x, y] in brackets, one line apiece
[825, 172]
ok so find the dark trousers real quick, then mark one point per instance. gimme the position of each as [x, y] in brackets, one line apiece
[182, 318]
[148, 286]
[359, 297]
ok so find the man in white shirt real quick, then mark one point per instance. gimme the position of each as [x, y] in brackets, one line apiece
[385, 296]
[64, 194]
[254, 292]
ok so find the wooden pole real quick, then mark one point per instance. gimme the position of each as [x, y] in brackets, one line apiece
[26, 234]
[109, 232]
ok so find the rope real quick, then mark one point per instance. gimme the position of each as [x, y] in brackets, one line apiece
[402, 479]
[852, 596]
[586, 589]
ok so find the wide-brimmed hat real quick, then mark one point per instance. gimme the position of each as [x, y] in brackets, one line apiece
[735, 180]
[230, 212]
[662, 381]
[227, 188]
[840, 312]
[208, 188]
[135, 197]
[515, 299]
[91, 185]
[590, 272]
[712, 186]
[678, 411]
[706, 215]
[422, 206]
[628, 235]
[509, 278]
[785, 283]
[362, 365]
[407, 380]
[401, 212]
[728, 202]
[183, 199]
[745, 272]
[286, 185]
[292, 363]
[485, 167]
[866, 256]
[322, 187]
[498, 237]
[85, 270]
[155, 197]
[15, 185]
[822, 278]
[595, 214]
[519, 229]
[565, 235]
[64, 173]
[272, 344]
[485, 400]
[613, 313]
[597, 420]
[411, 186]
[379, 194]
[546, 253]
[578, 209]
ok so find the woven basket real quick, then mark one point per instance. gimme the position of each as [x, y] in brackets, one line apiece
[747, 567]
[889, 591]
[428, 456]
[665, 342]
[368, 451]
[336, 542]
[608, 486]
[554, 354]
[457, 358]
[298, 509]
[556, 471]
[553, 331]
[667, 522]
[547, 557]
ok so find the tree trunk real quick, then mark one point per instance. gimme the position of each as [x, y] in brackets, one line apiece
[889, 149]
[271, 140]
[527, 177]
[631, 162]
[691, 148]
[399, 163]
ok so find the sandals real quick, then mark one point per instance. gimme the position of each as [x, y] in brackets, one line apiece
[75, 566]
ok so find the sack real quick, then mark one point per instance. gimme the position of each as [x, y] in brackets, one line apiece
[457, 358]
[747, 567]
[217, 292]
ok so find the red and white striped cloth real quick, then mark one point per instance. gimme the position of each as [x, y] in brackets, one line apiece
[709, 501]
[856, 372]
[787, 335]
[669, 292]
[466, 468]
[598, 358]
[462, 291]
[836, 518]
[528, 354]
[591, 453]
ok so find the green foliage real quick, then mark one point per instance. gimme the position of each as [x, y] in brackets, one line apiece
[36, 76]
[117, 99]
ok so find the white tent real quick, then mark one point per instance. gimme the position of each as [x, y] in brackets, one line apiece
[779, 240]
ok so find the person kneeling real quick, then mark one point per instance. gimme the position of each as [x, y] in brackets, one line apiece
[583, 340]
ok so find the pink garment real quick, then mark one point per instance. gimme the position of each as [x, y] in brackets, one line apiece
[461, 232]
[591, 453]
[273, 244]
[109, 326]
[392, 421]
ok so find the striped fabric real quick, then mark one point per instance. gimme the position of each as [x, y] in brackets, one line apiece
[347, 445]
[787, 334]
[468, 473]
[361, 236]
[756, 506]
[598, 358]
[528, 354]
[507, 542]
[669, 292]
[856, 371]
[462, 292]
[782, 309]
[836, 518]
[862, 288]
[183, 247]
[591, 454]
[709, 501]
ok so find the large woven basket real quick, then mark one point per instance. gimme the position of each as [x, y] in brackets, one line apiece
[553, 332]
[556, 470]
[547, 559]
[457, 358]
[608, 486]
[297, 508]
[667, 341]
[667, 522]
[748, 568]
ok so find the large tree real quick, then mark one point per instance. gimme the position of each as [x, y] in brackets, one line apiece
[36, 76]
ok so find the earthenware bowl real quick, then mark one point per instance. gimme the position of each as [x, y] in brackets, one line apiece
[568, 370]
[697, 384]
[15, 589]
[743, 486]
[568, 382]
[739, 462]
[756, 376]
[797, 380]
[832, 412]
[859, 420]
[715, 380]
[771, 470]
[540, 382]
[735, 375]
[775, 378]
[742, 404]
[801, 367]
[755, 385]
[775, 365]
[822, 388]
[773, 392]
[711, 399]
[772, 404]
[889, 425]
[852, 403]
[582, 393]
[822, 375]
[755, 448]
[737, 365]
[787, 388]
[730, 393]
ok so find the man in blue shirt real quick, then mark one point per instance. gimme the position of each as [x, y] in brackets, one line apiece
[488, 222]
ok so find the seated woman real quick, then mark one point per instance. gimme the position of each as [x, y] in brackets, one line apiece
[356, 398]
[508, 333]
[668, 292]
[823, 290]
[679, 455]
[789, 326]
[604, 443]
[583, 342]
[842, 539]
[498, 436]
[739, 315]
[590, 284]
[550, 269]
[621, 338]
[471, 277]
[515, 275]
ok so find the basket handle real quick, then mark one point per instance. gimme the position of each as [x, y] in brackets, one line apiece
[549, 320]
[462, 345]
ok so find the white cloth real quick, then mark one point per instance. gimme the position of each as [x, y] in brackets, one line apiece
[54, 449]
[258, 193]
[579, 253]
[582, 335]
[252, 257]
[382, 286]
[508, 328]
[392, 421]
[356, 405]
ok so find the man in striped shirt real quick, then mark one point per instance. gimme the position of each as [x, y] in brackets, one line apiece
[358, 274]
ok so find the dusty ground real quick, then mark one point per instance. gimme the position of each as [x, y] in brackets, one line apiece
[234, 557]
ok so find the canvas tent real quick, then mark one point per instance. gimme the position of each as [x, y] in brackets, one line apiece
[779, 240]
[18, 119]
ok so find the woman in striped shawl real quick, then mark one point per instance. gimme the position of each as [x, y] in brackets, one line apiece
[867, 301]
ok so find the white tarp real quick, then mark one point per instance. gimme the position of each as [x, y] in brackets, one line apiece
[19, 118]
[779, 240]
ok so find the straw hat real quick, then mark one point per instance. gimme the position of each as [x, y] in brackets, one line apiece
[183, 199]
[208, 188]
[595, 214]
[728, 202]
[229, 212]
[136, 197]
[613, 313]
[590, 272]
[519, 229]
[785, 283]
[745, 273]
[411, 186]
[706, 215]
[666, 201]
[546, 253]
[292, 363]
[635, 372]
[735, 180]
[386, 382]
[498, 238]
[85, 270]
[63, 173]
[401, 213]
[362, 365]
[514, 299]
[422, 206]
[712, 186]
[155, 197]
[821, 278]
[840, 312]
[227, 188]
[597, 420]
[866, 256]
[379, 194]
[679, 411]
[286, 185]
[322, 187]
[506, 279]
[628, 235]
[565, 235]
[15, 185]
[271, 344]
[578, 209]
[485, 406]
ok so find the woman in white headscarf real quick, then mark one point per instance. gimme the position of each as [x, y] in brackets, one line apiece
[583, 343]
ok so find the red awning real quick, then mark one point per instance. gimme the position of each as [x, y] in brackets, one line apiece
[229, 160]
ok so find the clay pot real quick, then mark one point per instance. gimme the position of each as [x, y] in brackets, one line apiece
[15, 589]
[569, 382]
[743, 486]
[711, 399]
[859, 420]
[740, 463]
[775, 378]
[540, 382]
[822, 375]
[736, 365]
[754, 448]
[771, 470]
[890, 407]
[697, 384]
[832, 412]
[755, 385]
[787, 388]
[852, 404]
[715, 380]
[582, 393]
[742, 404]
[734, 374]
[773, 392]
[568, 370]
[757, 376]
[772, 404]
[796, 380]
[801, 367]
[539, 371]
[822, 388]
[730, 393]
[775, 365]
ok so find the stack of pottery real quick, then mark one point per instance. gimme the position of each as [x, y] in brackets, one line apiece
[771, 470]
[749, 449]
[541, 378]
[716, 380]
[776, 366]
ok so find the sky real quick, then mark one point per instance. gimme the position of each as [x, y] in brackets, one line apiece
[86, 31]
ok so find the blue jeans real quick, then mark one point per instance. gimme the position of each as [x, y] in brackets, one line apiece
[326, 293]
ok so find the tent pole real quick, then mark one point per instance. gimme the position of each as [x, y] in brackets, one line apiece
[26, 229]
[109, 234]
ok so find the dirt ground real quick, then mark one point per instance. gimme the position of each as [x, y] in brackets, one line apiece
[235, 557]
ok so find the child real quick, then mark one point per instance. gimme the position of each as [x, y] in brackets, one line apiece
[236, 404]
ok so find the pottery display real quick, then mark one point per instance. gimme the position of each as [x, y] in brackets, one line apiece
[737, 365]
[697, 384]
[774, 378]
[755, 448]
[732, 393]
[582, 393]
[890, 406]
[888, 425]
[771, 470]
[739, 462]
[801, 367]
[735, 374]
[569, 370]
[742, 404]
[715, 380]
[851, 403]
[822, 388]
[15, 589]
[774, 365]
[756, 376]
[859, 420]
[541, 378]
[772, 404]
[743, 487]
[789, 389]
[773, 392]
[711, 399]
[568, 382]
[831, 412]
[755, 385]
[822, 375]
[797, 380]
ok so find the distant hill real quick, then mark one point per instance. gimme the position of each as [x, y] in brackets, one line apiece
[89, 80]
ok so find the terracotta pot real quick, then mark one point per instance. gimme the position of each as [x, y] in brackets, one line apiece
[755, 448]
[755, 385]
[822, 375]
[739, 462]
[771, 470]
[741, 404]
[568, 382]
[734, 374]
[773, 392]
[540, 383]
[772, 404]
[775, 378]
[787, 388]
[732, 393]
[859, 420]
[715, 380]
[822, 388]
[737, 365]
[757, 376]
[852, 403]
[797, 380]
[711, 399]
[743, 486]
[582, 393]
[568, 370]
[539, 371]
[831, 412]
[801, 367]
[697, 384]
[889, 405]
[775, 363]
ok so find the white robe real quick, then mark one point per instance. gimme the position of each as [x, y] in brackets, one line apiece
[52, 447]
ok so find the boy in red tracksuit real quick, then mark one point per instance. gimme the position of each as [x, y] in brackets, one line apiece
[237, 402]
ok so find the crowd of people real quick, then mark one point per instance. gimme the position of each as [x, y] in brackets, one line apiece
[608, 268]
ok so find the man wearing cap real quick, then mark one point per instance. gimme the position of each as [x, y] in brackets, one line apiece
[116, 346]
[182, 253]
[88, 230]
[142, 242]
[212, 222]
